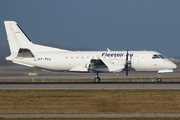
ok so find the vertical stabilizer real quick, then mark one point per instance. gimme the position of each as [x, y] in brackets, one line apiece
[16, 37]
[19, 43]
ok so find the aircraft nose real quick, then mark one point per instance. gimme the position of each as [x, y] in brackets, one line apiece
[174, 66]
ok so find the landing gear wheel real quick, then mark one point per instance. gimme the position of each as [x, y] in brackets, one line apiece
[159, 79]
[96, 79]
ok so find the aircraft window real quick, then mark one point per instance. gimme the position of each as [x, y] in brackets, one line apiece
[155, 56]
[71, 57]
[66, 57]
[161, 56]
[76, 57]
[82, 57]
[158, 56]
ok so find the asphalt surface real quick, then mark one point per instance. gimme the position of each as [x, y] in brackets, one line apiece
[71, 75]
[87, 115]
[89, 85]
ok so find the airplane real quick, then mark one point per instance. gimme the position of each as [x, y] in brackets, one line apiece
[26, 53]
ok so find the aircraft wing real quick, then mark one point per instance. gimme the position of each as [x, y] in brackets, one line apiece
[106, 65]
[94, 65]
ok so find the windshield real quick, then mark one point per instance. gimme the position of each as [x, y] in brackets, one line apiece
[161, 56]
[158, 56]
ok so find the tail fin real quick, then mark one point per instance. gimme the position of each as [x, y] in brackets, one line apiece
[16, 37]
[19, 42]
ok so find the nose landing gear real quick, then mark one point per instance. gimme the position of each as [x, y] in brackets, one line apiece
[159, 77]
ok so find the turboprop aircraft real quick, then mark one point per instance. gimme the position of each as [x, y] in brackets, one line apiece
[24, 52]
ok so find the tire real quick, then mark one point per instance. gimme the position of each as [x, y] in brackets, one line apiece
[159, 80]
[97, 79]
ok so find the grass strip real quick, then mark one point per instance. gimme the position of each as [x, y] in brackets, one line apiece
[89, 101]
[156, 118]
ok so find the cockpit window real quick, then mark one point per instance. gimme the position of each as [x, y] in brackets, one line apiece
[158, 56]
[161, 56]
[155, 56]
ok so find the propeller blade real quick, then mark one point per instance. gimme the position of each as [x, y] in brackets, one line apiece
[127, 72]
[127, 56]
[126, 65]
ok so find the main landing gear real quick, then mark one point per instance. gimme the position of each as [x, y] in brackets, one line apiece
[159, 77]
[97, 79]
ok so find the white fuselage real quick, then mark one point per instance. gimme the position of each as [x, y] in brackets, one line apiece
[78, 61]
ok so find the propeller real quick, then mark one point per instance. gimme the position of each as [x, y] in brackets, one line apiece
[126, 65]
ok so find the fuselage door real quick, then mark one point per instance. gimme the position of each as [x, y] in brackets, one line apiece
[136, 62]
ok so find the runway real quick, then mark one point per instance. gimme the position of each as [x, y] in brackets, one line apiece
[88, 85]
[71, 75]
